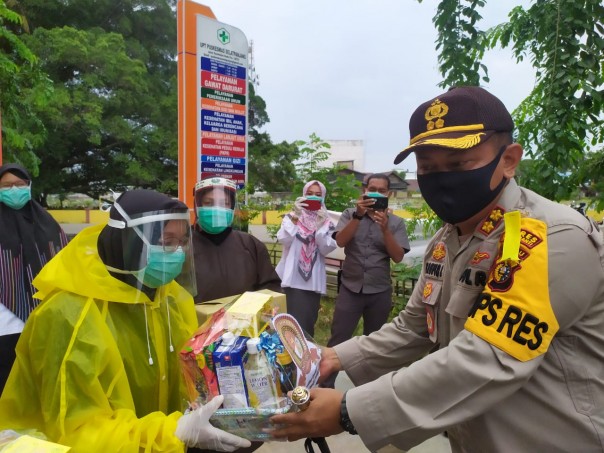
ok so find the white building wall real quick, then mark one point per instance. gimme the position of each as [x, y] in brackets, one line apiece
[346, 151]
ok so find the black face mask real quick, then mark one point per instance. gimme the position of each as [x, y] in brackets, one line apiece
[456, 196]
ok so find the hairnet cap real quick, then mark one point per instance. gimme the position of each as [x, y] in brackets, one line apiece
[461, 118]
[216, 181]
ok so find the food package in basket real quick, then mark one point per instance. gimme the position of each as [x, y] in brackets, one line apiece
[253, 355]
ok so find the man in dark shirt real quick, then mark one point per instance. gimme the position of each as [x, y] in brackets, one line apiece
[371, 237]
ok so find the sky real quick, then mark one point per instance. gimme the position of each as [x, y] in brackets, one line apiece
[356, 69]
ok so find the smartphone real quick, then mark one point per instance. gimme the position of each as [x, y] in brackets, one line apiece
[381, 203]
[313, 205]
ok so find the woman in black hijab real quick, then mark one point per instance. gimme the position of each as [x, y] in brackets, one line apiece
[29, 237]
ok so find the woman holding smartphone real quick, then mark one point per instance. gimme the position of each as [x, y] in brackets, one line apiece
[306, 237]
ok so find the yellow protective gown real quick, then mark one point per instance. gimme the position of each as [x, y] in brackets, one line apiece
[82, 374]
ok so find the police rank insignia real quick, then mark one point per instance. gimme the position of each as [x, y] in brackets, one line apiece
[439, 252]
[492, 221]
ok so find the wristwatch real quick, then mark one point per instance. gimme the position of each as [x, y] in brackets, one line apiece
[345, 421]
[356, 216]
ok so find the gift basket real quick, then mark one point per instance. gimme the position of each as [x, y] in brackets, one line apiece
[253, 354]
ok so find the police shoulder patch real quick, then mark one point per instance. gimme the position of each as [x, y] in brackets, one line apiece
[514, 312]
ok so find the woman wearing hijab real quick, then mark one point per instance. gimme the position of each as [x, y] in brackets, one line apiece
[227, 261]
[306, 237]
[29, 238]
[97, 365]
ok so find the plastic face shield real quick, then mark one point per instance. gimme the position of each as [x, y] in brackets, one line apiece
[157, 248]
[215, 204]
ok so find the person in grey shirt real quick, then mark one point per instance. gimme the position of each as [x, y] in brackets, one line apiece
[371, 237]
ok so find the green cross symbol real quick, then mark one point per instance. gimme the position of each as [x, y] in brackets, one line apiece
[224, 36]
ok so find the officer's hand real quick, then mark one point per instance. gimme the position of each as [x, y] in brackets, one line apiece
[330, 363]
[320, 419]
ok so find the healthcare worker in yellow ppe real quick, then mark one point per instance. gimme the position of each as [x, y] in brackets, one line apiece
[97, 365]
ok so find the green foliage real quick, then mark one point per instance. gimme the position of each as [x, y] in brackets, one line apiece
[423, 219]
[272, 231]
[403, 275]
[341, 189]
[112, 119]
[23, 86]
[103, 125]
[312, 154]
[401, 173]
[591, 175]
[560, 124]
[270, 166]
[460, 43]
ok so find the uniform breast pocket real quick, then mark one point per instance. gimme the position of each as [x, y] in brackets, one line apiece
[430, 298]
[460, 303]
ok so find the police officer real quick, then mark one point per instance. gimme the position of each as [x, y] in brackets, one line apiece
[511, 296]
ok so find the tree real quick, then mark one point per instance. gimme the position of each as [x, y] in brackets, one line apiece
[270, 166]
[23, 85]
[401, 173]
[112, 120]
[343, 189]
[560, 123]
[101, 130]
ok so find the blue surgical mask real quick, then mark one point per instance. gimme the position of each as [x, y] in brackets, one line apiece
[376, 195]
[214, 219]
[314, 197]
[15, 197]
[162, 267]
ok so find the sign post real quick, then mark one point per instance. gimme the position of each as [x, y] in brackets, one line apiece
[223, 98]
[212, 99]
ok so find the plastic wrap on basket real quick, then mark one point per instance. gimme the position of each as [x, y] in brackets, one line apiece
[252, 355]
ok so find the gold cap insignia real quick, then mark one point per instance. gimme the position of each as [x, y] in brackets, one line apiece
[434, 115]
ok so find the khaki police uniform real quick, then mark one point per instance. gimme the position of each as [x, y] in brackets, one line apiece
[520, 339]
